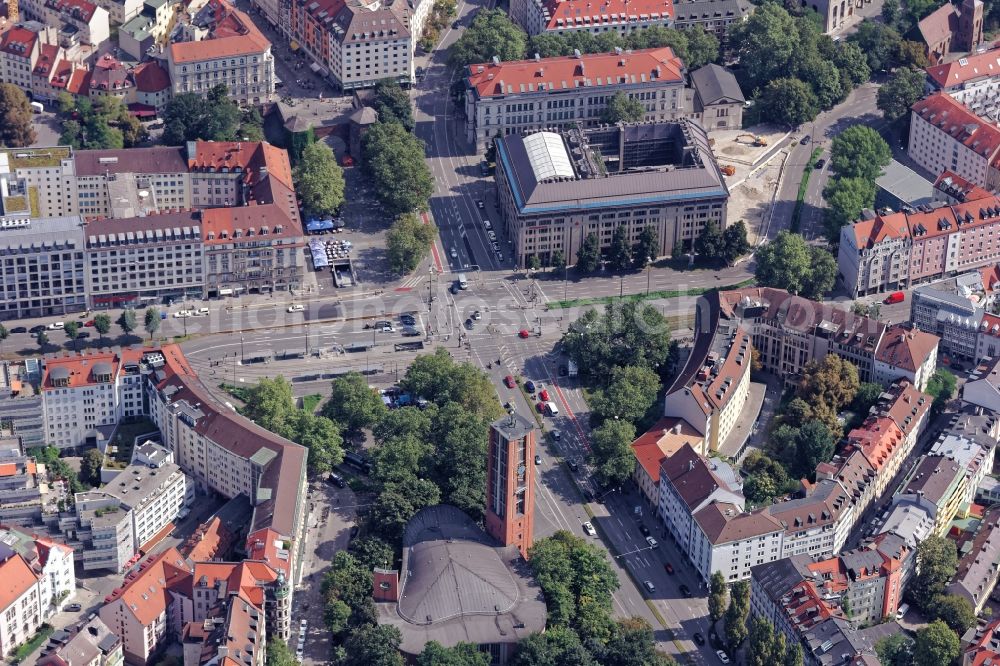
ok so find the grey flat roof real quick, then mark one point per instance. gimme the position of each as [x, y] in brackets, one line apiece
[648, 187]
[906, 184]
[458, 585]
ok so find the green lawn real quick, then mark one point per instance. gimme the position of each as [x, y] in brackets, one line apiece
[604, 300]
[803, 186]
[37, 640]
[311, 402]
[125, 436]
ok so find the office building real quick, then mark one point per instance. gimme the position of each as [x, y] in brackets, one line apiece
[555, 189]
[21, 403]
[227, 49]
[510, 469]
[512, 97]
[938, 484]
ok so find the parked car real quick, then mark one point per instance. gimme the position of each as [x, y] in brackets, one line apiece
[83, 334]
[56, 326]
[669, 568]
[19, 329]
[407, 319]
[538, 460]
[698, 638]
[468, 324]
[296, 307]
[723, 657]
[337, 480]
[806, 140]
[589, 529]
[529, 386]
[74, 608]
[36, 329]
[508, 381]
[648, 584]
[477, 315]
[410, 332]
[894, 297]
[685, 591]
[544, 395]
[89, 324]
[480, 204]
[524, 333]
[557, 436]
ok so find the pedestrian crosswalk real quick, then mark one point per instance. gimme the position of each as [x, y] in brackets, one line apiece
[411, 282]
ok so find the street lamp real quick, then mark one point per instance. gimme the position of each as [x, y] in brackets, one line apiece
[242, 355]
[565, 277]
[649, 266]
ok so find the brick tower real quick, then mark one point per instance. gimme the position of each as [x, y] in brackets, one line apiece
[510, 471]
[970, 26]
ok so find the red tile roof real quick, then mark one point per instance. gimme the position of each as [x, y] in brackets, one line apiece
[147, 595]
[563, 73]
[80, 368]
[971, 67]
[868, 233]
[939, 25]
[233, 34]
[79, 82]
[959, 188]
[109, 74]
[958, 122]
[723, 522]
[150, 77]
[585, 13]
[877, 439]
[18, 41]
[991, 278]
[664, 439]
[47, 56]
[906, 349]
[16, 578]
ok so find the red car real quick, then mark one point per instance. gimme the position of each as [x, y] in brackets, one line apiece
[669, 568]
[544, 395]
[89, 324]
[540, 407]
[523, 333]
[508, 381]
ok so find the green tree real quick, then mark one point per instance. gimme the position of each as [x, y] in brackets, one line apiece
[395, 162]
[318, 434]
[647, 248]
[766, 44]
[16, 130]
[354, 403]
[710, 243]
[319, 181]
[189, 117]
[630, 392]
[374, 645]
[269, 403]
[102, 323]
[793, 654]
[42, 339]
[90, 467]
[588, 257]
[895, 650]
[937, 561]
[557, 646]
[349, 582]
[408, 242]
[631, 644]
[767, 647]
[441, 380]
[912, 54]
[941, 386]
[832, 382]
[491, 33]
[852, 63]
[71, 329]
[891, 12]
[789, 263]
[371, 552]
[904, 87]
[760, 489]
[127, 321]
[612, 452]
[813, 445]
[955, 611]
[571, 571]
[866, 397]
[151, 322]
[620, 252]
[398, 502]
[845, 199]
[558, 259]
[458, 460]
[718, 597]
[393, 104]
[788, 101]
[703, 47]
[623, 109]
[879, 43]
[4, 334]
[860, 152]
[824, 79]
[534, 263]
[278, 653]
[462, 654]
[628, 333]
[735, 243]
[935, 644]
[64, 103]
[737, 613]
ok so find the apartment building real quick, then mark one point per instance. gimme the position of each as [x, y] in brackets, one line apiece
[978, 568]
[23, 488]
[937, 483]
[94, 645]
[969, 440]
[790, 331]
[85, 396]
[714, 16]
[665, 438]
[142, 260]
[20, 403]
[121, 11]
[21, 613]
[711, 392]
[973, 81]
[43, 270]
[358, 42]
[20, 49]
[110, 78]
[689, 483]
[52, 564]
[874, 254]
[560, 16]
[947, 309]
[731, 541]
[79, 21]
[147, 607]
[233, 52]
[555, 189]
[512, 97]
[819, 523]
[152, 87]
[146, 30]
[944, 134]
[226, 453]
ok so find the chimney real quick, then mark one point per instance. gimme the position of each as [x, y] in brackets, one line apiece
[677, 428]
[537, 57]
[690, 465]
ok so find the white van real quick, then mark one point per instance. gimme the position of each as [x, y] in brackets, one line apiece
[903, 608]
[36, 107]
[551, 408]
[463, 283]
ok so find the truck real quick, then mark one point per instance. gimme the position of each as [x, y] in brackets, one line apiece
[571, 368]
[894, 297]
